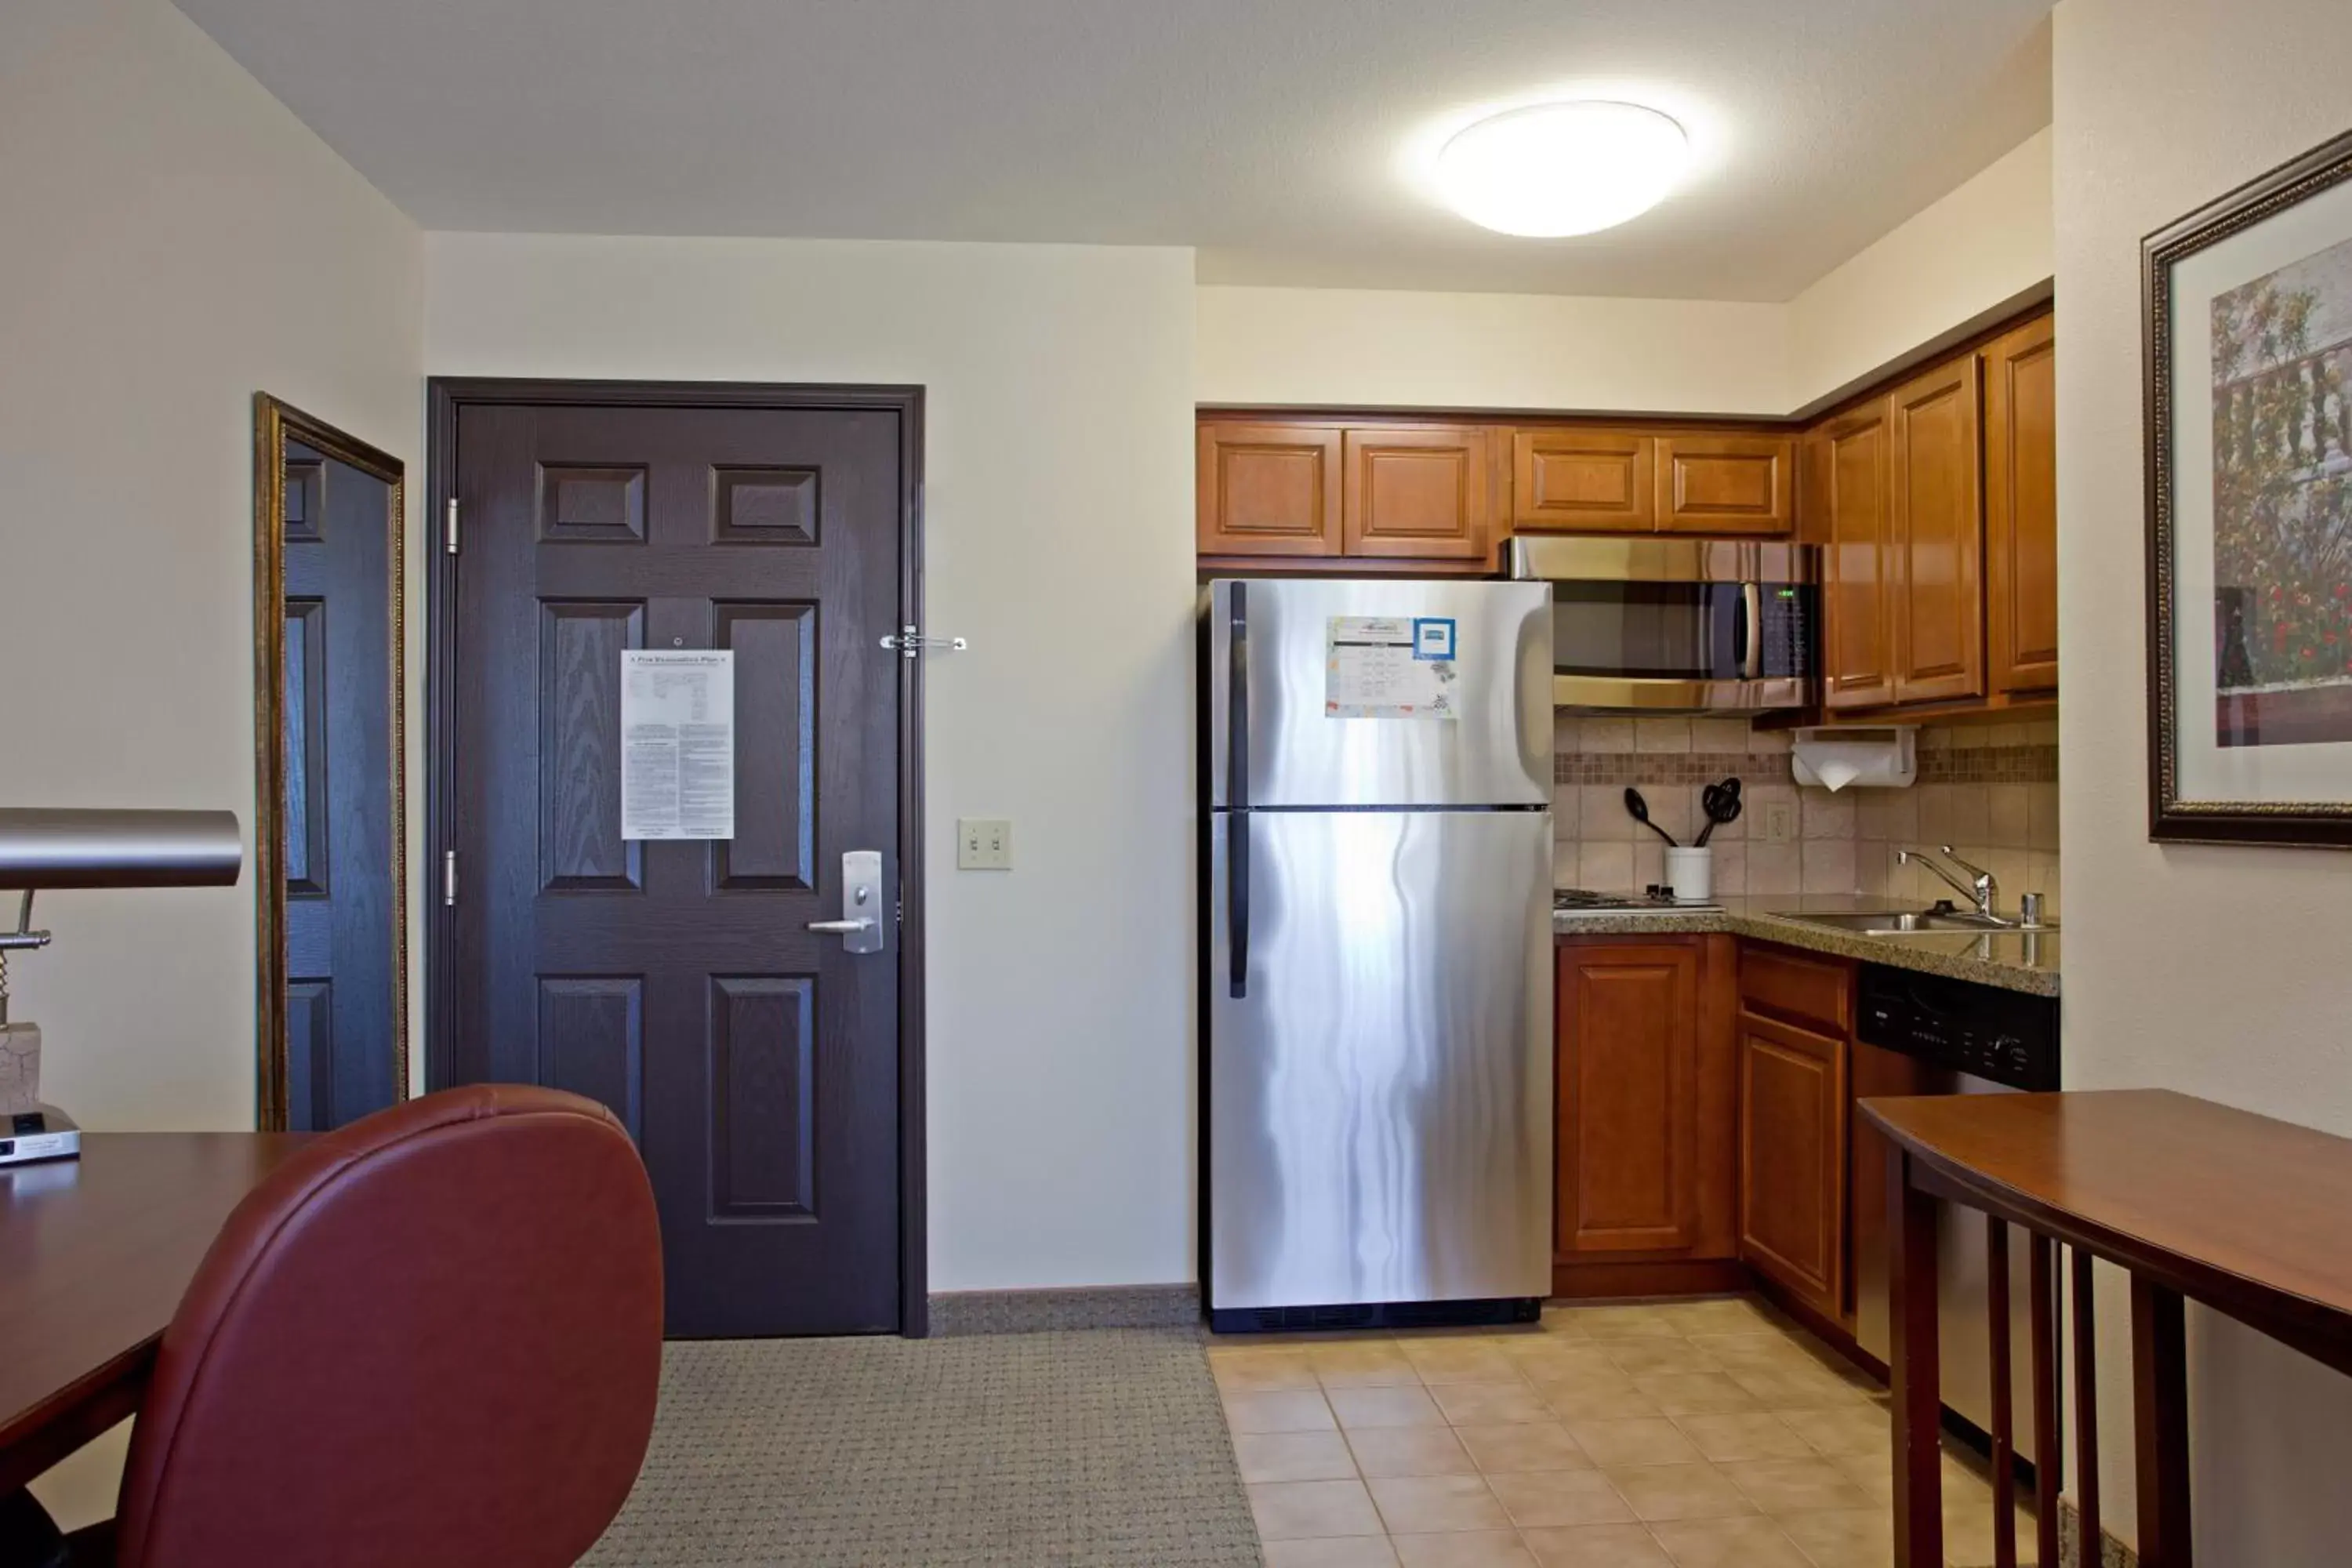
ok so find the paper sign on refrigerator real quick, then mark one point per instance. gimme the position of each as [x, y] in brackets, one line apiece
[1389, 667]
[678, 743]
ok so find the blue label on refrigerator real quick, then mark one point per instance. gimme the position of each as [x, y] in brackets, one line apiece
[1433, 636]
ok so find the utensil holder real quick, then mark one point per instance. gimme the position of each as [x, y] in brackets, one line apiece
[1690, 872]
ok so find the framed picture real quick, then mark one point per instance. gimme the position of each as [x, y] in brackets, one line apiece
[2247, 307]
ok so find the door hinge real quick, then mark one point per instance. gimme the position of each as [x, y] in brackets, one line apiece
[449, 879]
[449, 534]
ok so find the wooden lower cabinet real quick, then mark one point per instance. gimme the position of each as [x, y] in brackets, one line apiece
[1792, 1145]
[1646, 1111]
[1703, 1119]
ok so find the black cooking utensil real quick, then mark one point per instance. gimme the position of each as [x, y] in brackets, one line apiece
[1639, 810]
[1721, 804]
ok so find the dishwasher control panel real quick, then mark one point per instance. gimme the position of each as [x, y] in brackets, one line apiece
[2008, 1037]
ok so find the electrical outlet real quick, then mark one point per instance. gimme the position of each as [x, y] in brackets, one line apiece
[1779, 821]
[983, 844]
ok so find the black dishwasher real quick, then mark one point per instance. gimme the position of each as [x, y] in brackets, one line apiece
[1928, 1034]
[2008, 1039]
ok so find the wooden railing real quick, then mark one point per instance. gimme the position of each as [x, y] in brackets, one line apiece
[2246, 1216]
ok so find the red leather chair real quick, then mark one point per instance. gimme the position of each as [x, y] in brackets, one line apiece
[432, 1336]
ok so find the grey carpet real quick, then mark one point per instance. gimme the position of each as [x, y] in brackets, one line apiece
[1101, 1447]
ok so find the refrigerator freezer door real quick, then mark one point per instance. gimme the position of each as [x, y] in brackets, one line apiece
[1379, 1097]
[1495, 749]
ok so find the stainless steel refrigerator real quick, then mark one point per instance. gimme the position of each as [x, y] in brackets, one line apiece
[1377, 952]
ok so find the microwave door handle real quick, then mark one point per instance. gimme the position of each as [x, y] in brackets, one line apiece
[1751, 631]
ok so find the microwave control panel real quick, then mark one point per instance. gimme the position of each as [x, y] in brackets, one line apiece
[1785, 639]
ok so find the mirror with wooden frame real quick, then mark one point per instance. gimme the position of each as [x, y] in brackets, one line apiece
[331, 820]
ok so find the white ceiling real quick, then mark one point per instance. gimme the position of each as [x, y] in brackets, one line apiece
[1275, 135]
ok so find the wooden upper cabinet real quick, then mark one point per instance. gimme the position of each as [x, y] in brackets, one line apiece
[1847, 501]
[1268, 490]
[2021, 468]
[1420, 493]
[1792, 1158]
[1726, 484]
[1938, 536]
[1575, 480]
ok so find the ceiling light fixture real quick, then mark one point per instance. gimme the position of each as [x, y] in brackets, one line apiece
[1558, 169]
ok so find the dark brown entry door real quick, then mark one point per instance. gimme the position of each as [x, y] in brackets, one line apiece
[754, 1061]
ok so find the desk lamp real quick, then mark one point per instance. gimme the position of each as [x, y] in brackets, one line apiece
[41, 849]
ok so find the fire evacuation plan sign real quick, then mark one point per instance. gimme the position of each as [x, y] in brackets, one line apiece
[678, 745]
[1389, 667]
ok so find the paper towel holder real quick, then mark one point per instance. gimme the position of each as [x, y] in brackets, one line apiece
[1887, 755]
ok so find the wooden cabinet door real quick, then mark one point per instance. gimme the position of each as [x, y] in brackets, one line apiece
[1847, 498]
[1627, 1081]
[1418, 493]
[1583, 481]
[1939, 535]
[1267, 490]
[1726, 484]
[1793, 1111]
[2020, 456]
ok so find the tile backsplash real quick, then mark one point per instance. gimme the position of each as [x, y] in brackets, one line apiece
[1990, 791]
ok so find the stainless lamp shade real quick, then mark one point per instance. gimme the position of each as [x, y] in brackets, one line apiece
[41, 848]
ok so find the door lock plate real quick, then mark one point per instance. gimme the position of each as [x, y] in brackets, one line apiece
[861, 927]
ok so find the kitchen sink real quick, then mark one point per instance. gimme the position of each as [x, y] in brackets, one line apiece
[1909, 922]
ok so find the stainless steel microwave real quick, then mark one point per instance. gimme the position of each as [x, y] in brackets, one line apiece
[1679, 625]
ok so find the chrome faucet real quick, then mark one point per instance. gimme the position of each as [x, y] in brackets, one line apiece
[1983, 891]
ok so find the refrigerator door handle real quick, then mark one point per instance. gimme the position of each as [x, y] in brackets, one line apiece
[1237, 900]
[1237, 888]
[1238, 700]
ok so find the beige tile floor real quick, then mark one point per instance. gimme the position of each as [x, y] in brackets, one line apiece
[1707, 1433]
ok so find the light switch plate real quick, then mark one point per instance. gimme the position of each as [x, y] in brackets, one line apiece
[1779, 821]
[983, 844]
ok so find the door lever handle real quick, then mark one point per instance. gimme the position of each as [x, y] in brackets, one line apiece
[861, 888]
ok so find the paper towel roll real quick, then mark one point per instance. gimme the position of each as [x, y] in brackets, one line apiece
[1835, 759]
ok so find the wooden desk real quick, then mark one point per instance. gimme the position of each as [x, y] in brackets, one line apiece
[2249, 1216]
[95, 1254]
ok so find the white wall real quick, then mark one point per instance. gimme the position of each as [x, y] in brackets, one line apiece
[1973, 256]
[175, 241]
[1962, 259]
[2240, 991]
[1058, 535]
[1367, 348]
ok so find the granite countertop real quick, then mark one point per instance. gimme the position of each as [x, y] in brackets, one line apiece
[2016, 961]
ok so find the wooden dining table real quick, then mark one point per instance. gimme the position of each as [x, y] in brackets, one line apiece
[2248, 1216]
[95, 1254]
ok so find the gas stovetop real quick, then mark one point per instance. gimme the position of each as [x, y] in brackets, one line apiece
[1650, 900]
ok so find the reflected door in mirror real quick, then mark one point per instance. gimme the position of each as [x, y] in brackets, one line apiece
[340, 845]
